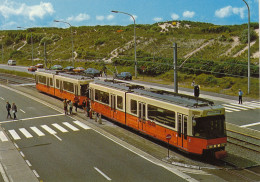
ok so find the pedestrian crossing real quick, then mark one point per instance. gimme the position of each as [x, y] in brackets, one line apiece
[234, 107]
[43, 130]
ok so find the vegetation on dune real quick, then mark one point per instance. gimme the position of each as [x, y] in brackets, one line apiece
[205, 51]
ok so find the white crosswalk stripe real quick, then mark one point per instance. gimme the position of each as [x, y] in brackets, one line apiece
[48, 129]
[42, 130]
[70, 126]
[82, 125]
[25, 132]
[14, 135]
[3, 137]
[231, 107]
[59, 127]
[37, 131]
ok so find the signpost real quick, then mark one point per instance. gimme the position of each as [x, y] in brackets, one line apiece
[168, 138]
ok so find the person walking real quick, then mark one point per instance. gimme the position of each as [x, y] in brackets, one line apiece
[70, 106]
[88, 108]
[8, 108]
[76, 103]
[240, 94]
[65, 106]
[14, 110]
[84, 104]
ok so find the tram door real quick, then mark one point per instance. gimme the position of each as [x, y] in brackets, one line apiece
[76, 90]
[113, 105]
[182, 130]
[141, 115]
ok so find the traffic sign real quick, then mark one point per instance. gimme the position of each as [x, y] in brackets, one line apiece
[168, 137]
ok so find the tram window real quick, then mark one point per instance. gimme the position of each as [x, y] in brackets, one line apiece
[57, 83]
[210, 127]
[133, 106]
[42, 79]
[51, 82]
[161, 115]
[119, 102]
[102, 96]
[84, 90]
[68, 86]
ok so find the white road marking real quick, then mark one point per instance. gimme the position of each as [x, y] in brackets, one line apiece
[16, 145]
[22, 110]
[28, 162]
[57, 137]
[3, 137]
[82, 125]
[253, 104]
[47, 128]
[14, 134]
[231, 109]
[2, 98]
[25, 132]
[236, 107]
[37, 131]
[2, 171]
[70, 126]
[252, 124]
[36, 174]
[25, 119]
[103, 174]
[59, 127]
[226, 110]
[249, 107]
[22, 154]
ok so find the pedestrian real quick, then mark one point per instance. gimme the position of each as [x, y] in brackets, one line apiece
[193, 83]
[88, 108]
[84, 104]
[240, 94]
[76, 103]
[70, 106]
[8, 108]
[14, 110]
[65, 105]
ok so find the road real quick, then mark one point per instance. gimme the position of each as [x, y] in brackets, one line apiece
[56, 147]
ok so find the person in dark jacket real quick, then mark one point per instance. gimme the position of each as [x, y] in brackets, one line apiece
[8, 108]
[14, 110]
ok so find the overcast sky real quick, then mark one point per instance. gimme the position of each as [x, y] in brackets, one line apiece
[41, 13]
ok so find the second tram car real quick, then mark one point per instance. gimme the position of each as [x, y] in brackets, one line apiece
[63, 85]
[196, 125]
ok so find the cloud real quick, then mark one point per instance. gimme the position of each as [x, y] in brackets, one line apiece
[110, 17]
[175, 16]
[80, 17]
[229, 10]
[188, 14]
[9, 8]
[157, 19]
[100, 18]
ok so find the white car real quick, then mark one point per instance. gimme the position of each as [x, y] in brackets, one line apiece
[11, 62]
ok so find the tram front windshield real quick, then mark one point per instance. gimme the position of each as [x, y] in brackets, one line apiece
[209, 127]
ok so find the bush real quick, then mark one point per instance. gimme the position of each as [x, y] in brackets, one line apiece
[244, 36]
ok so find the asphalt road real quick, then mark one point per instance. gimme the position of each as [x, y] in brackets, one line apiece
[58, 148]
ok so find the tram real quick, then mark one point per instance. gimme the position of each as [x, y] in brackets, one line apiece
[62, 85]
[193, 125]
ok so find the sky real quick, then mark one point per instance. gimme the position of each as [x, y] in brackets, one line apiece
[41, 13]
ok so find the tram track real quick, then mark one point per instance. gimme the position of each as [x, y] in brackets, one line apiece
[13, 79]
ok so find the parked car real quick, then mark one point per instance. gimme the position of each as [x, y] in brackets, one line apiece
[39, 65]
[124, 76]
[11, 62]
[32, 68]
[56, 67]
[92, 72]
[69, 68]
[79, 69]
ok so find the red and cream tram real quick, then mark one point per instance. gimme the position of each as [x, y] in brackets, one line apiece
[195, 125]
[63, 85]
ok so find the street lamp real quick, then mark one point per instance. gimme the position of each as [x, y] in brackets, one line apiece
[31, 42]
[71, 39]
[134, 38]
[248, 46]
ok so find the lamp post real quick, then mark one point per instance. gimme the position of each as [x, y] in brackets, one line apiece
[31, 42]
[134, 38]
[248, 46]
[71, 39]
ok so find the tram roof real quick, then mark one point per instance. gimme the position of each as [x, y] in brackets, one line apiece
[112, 85]
[181, 99]
[77, 77]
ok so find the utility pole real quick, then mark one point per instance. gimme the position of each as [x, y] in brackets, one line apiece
[45, 59]
[175, 67]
